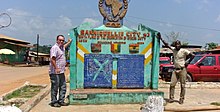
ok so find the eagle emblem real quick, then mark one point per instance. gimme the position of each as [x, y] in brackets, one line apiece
[113, 12]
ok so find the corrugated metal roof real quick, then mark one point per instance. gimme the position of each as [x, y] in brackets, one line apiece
[167, 50]
[4, 37]
[39, 54]
[22, 45]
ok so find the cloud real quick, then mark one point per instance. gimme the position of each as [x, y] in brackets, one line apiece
[178, 1]
[24, 22]
[94, 22]
[61, 23]
[26, 26]
[218, 18]
[205, 1]
[36, 23]
[20, 20]
[169, 25]
[209, 35]
[204, 5]
[166, 24]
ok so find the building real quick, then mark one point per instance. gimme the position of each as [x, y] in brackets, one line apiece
[215, 51]
[43, 58]
[166, 52]
[16, 45]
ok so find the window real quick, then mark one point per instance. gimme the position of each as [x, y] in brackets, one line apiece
[219, 59]
[164, 62]
[208, 61]
[195, 59]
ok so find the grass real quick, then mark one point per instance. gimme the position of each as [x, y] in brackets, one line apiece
[25, 92]
[215, 103]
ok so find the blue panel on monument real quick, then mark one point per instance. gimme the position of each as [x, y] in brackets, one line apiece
[98, 71]
[130, 71]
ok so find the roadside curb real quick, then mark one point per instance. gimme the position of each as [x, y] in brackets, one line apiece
[5, 94]
[191, 108]
[35, 100]
[193, 85]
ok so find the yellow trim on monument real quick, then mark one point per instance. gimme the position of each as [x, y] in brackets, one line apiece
[80, 57]
[147, 48]
[147, 60]
[82, 48]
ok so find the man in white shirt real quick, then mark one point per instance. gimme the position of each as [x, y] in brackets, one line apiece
[180, 63]
[56, 71]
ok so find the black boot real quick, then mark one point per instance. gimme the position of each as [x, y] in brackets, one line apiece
[181, 101]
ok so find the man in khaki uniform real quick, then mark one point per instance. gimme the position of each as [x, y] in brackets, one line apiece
[180, 55]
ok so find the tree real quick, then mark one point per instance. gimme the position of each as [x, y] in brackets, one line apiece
[211, 45]
[173, 36]
[42, 49]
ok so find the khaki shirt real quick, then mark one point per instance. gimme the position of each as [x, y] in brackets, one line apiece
[180, 57]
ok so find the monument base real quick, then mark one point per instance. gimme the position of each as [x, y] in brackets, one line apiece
[111, 96]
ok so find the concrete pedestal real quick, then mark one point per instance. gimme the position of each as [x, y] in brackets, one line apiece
[111, 96]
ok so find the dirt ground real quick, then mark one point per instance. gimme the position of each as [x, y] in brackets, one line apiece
[14, 77]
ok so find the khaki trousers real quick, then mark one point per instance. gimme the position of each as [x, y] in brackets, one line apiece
[181, 76]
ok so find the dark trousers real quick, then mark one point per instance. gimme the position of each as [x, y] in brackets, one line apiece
[58, 84]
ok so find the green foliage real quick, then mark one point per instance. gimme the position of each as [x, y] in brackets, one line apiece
[211, 45]
[42, 49]
[215, 103]
[185, 43]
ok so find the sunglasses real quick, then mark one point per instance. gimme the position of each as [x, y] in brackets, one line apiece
[61, 40]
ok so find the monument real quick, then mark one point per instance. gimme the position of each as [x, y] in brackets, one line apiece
[113, 64]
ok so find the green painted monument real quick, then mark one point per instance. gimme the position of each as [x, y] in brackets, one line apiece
[113, 64]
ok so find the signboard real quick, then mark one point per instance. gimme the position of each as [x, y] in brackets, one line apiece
[130, 71]
[98, 71]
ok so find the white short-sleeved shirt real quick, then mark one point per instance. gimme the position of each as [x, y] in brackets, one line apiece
[180, 57]
[59, 54]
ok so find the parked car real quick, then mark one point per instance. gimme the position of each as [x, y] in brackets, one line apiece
[166, 68]
[204, 67]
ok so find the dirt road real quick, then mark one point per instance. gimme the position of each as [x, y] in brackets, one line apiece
[13, 77]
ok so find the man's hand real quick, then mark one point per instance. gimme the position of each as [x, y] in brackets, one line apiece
[165, 43]
[69, 39]
[57, 70]
[186, 64]
[68, 42]
[159, 36]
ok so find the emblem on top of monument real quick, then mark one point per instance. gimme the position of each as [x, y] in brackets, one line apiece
[113, 12]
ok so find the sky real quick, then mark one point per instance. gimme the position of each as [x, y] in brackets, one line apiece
[197, 21]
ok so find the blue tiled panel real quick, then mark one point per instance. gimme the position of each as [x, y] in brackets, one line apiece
[130, 71]
[98, 71]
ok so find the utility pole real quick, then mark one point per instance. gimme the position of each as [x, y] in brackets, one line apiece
[37, 47]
